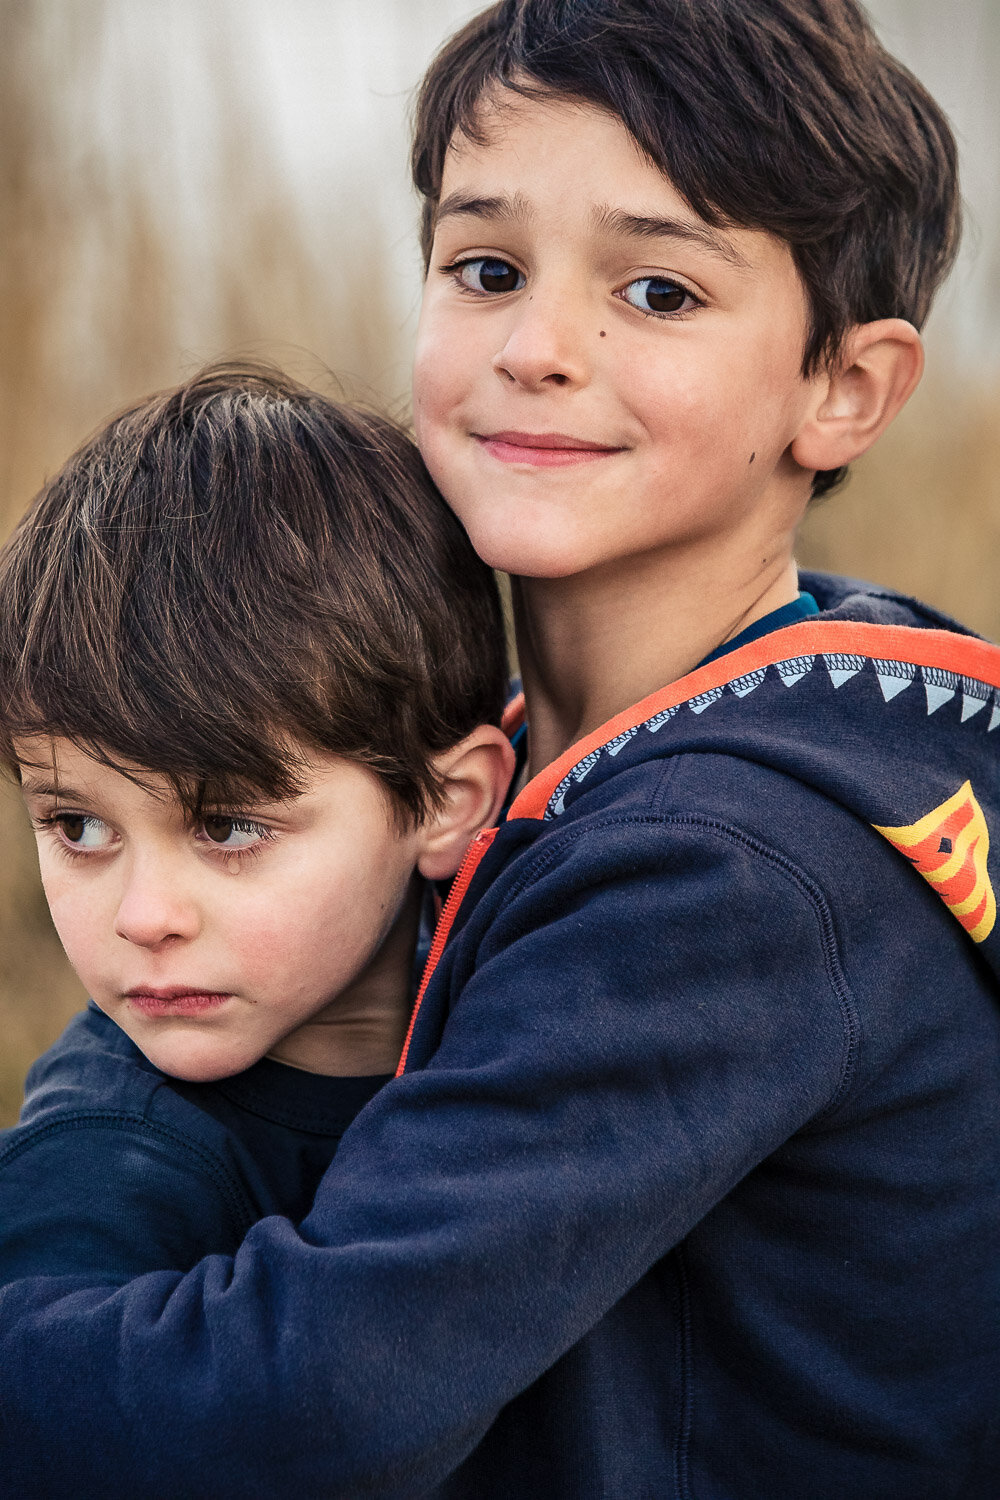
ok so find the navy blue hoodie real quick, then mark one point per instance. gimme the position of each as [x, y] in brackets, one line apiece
[688, 1186]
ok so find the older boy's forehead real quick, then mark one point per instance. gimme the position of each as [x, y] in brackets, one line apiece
[502, 177]
[605, 218]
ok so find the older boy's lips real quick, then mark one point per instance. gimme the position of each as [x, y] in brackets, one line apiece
[543, 449]
[176, 1000]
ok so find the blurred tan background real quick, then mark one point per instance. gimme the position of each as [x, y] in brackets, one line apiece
[184, 178]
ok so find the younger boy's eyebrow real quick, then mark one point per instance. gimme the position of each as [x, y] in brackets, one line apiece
[49, 789]
[657, 227]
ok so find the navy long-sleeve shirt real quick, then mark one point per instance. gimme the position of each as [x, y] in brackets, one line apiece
[116, 1168]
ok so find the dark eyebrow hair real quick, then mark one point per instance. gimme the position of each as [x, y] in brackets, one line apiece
[655, 226]
[50, 789]
[504, 208]
[501, 208]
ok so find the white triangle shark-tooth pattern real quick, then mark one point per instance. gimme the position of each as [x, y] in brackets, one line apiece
[557, 802]
[894, 677]
[744, 686]
[699, 704]
[620, 741]
[793, 670]
[975, 696]
[940, 687]
[658, 720]
[843, 667]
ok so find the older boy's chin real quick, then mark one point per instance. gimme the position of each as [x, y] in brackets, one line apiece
[529, 551]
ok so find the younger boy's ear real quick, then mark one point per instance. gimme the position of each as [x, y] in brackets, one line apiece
[475, 775]
[877, 373]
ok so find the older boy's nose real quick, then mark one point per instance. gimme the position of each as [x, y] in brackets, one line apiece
[546, 346]
[155, 908]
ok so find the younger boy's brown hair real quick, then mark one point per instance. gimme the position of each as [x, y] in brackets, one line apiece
[781, 115]
[237, 568]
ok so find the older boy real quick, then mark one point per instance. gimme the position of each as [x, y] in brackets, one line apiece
[691, 1167]
[249, 663]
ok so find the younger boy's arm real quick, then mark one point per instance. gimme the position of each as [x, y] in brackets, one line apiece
[110, 1198]
[589, 1103]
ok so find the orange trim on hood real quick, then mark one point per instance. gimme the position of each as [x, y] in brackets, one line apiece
[964, 655]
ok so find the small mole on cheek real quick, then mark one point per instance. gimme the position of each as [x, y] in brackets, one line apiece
[752, 457]
[603, 334]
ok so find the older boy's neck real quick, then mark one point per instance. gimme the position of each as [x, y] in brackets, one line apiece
[592, 645]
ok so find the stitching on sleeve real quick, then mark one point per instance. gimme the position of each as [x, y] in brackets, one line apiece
[236, 1202]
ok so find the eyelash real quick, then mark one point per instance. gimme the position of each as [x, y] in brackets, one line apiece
[51, 823]
[264, 835]
[455, 268]
[650, 312]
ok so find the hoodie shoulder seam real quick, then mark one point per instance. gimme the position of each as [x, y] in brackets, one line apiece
[787, 868]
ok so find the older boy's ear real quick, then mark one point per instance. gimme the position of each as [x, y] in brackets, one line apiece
[475, 775]
[877, 373]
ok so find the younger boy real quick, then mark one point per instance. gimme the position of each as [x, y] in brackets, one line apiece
[687, 1189]
[251, 673]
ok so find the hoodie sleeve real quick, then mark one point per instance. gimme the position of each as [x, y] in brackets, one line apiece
[648, 1015]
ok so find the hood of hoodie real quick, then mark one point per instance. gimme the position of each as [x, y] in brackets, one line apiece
[878, 702]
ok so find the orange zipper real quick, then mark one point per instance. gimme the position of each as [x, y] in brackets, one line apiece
[460, 885]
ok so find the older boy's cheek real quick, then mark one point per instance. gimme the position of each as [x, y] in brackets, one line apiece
[428, 402]
[439, 448]
[446, 367]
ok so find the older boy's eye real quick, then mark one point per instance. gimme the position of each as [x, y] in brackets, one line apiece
[232, 833]
[656, 294]
[488, 275]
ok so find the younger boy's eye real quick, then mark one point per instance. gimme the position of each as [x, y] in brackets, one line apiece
[655, 294]
[489, 275]
[232, 834]
[82, 831]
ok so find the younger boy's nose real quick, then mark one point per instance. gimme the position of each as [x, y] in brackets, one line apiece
[155, 909]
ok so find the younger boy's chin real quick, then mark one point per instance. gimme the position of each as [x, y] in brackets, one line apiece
[194, 1059]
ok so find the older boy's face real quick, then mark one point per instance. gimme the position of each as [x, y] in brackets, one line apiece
[279, 929]
[599, 373]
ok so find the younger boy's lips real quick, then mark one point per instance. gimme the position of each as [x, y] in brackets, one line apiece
[175, 1001]
[543, 449]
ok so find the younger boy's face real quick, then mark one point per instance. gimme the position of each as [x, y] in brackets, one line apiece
[599, 373]
[280, 929]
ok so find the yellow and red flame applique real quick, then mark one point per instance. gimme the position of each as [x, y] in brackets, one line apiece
[950, 847]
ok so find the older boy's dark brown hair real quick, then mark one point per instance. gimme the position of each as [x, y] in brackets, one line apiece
[782, 115]
[238, 568]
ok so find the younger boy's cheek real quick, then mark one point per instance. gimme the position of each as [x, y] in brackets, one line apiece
[78, 927]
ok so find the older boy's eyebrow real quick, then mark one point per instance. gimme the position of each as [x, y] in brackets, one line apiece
[503, 208]
[656, 227]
